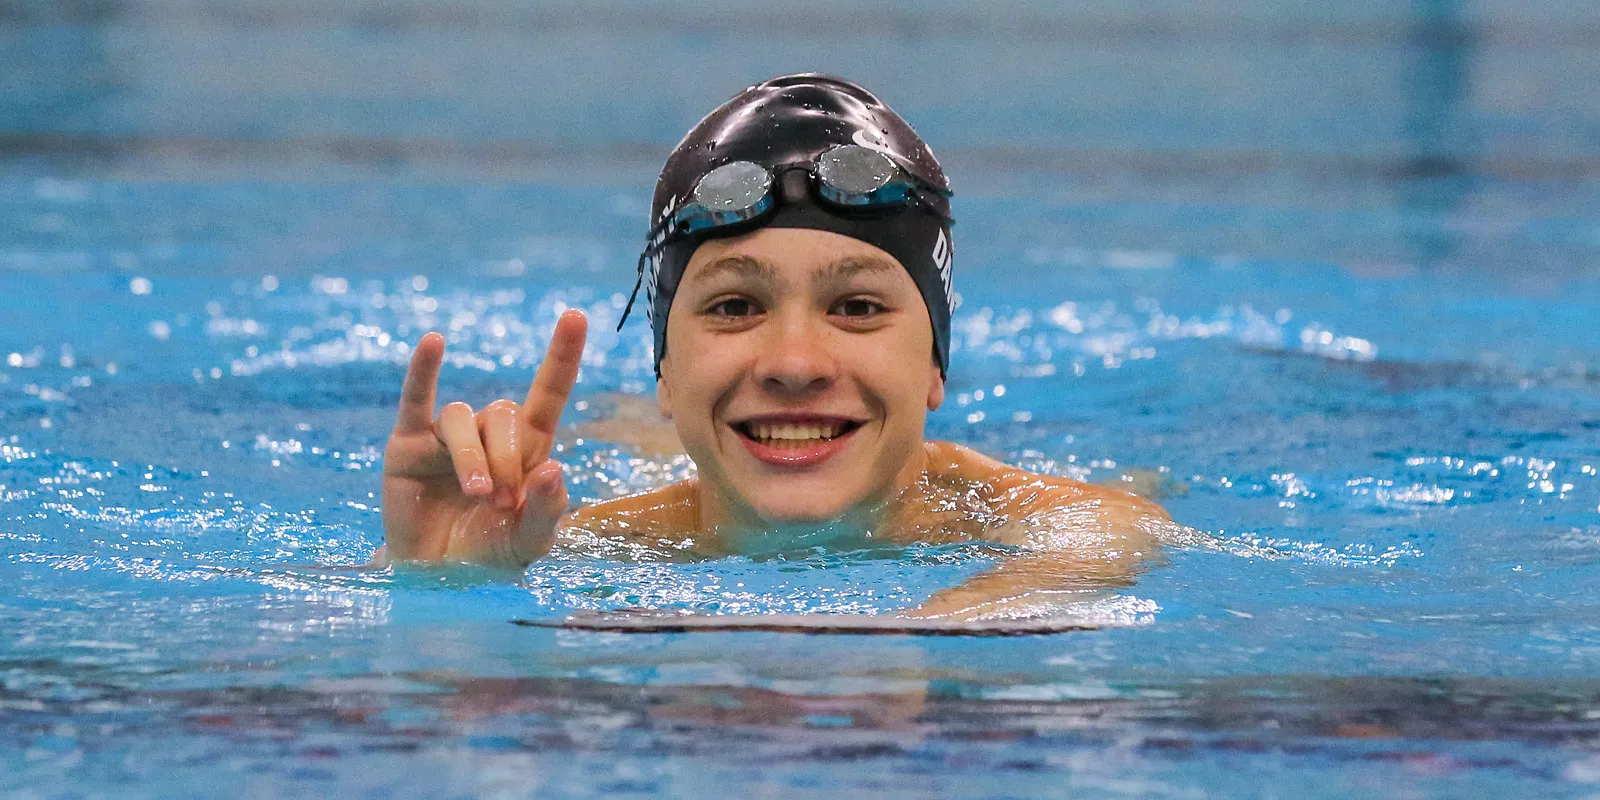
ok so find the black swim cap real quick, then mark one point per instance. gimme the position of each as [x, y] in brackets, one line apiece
[789, 122]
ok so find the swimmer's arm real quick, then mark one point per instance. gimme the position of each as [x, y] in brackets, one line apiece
[1081, 539]
[1026, 585]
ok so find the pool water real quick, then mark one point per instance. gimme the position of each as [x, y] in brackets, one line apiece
[1328, 282]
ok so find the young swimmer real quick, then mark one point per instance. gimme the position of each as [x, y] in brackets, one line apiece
[798, 285]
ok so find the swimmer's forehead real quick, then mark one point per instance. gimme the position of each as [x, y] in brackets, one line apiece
[742, 266]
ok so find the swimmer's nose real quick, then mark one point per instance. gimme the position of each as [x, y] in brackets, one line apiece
[796, 359]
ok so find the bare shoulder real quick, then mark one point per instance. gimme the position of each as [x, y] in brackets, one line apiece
[1030, 494]
[666, 512]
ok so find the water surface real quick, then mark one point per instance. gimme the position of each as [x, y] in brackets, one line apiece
[1328, 278]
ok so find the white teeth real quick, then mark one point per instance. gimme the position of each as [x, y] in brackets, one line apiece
[793, 432]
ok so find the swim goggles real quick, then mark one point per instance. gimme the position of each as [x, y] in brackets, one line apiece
[846, 179]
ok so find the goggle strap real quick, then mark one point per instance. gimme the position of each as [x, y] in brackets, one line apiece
[638, 282]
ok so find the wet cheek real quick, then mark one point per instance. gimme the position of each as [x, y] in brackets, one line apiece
[895, 374]
[708, 401]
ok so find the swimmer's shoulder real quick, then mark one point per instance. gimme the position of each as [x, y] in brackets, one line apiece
[1032, 493]
[669, 510]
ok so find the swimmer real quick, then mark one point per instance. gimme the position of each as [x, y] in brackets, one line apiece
[797, 281]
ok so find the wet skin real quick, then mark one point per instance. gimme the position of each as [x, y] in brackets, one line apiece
[798, 373]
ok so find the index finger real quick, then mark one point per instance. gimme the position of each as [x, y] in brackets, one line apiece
[553, 382]
[422, 381]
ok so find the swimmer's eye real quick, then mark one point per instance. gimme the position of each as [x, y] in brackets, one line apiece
[734, 307]
[858, 308]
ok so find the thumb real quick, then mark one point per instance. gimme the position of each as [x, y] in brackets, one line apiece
[544, 494]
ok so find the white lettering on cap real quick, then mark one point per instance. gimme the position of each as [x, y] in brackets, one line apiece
[942, 258]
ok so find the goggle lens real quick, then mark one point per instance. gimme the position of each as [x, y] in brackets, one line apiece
[853, 175]
[727, 195]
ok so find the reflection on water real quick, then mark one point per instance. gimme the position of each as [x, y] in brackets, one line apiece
[60, 714]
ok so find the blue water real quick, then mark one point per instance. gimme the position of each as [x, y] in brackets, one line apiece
[1327, 279]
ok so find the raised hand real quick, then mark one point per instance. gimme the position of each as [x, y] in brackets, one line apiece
[478, 487]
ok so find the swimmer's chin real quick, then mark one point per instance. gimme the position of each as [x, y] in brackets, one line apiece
[774, 530]
[804, 518]
[748, 501]
[803, 513]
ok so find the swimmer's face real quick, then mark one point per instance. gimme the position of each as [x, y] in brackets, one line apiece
[799, 371]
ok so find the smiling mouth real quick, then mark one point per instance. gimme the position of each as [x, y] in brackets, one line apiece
[794, 435]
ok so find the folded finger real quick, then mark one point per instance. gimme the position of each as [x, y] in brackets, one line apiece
[545, 503]
[458, 430]
[498, 430]
[421, 383]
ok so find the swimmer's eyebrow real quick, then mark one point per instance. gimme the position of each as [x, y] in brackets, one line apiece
[850, 267]
[739, 265]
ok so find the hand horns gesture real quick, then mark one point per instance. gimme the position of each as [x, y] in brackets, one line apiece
[478, 487]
